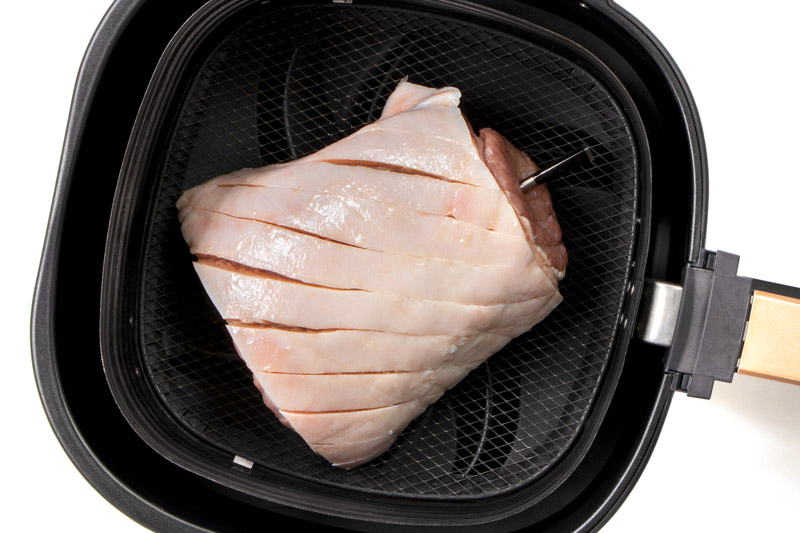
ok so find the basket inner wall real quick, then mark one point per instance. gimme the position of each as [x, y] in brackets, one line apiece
[291, 82]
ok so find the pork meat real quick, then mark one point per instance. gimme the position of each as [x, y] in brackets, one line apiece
[361, 282]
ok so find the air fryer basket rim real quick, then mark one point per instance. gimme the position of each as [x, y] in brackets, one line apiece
[178, 445]
[44, 341]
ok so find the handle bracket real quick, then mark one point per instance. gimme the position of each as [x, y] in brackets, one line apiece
[710, 325]
[703, 322]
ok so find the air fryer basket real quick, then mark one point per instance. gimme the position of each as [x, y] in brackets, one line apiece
[247, 84]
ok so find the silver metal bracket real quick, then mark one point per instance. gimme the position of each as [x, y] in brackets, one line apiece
[661, 302]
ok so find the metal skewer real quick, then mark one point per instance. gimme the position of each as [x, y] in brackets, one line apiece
[568, 161]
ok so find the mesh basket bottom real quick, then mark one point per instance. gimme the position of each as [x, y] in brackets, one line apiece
[291, 82]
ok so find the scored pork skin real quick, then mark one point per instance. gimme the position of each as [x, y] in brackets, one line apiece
[363, 281]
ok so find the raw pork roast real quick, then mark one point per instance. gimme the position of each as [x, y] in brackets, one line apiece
[363, 281]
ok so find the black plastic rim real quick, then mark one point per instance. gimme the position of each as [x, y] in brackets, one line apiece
[185, 449]
[158, 509]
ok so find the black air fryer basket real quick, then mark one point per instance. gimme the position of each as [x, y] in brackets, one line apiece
[552, 431]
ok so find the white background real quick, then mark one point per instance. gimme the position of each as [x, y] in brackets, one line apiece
[729, 464]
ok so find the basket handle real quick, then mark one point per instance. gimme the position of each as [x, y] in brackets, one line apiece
[717, 323]
[772, 338]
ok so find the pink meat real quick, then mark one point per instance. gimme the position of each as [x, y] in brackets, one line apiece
[258, 299]
[534, 208]
[476, 205]
[363, 281]
[367, 223]
[313, 260]
[335, 351]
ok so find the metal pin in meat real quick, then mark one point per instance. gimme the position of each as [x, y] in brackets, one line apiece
[567, 162]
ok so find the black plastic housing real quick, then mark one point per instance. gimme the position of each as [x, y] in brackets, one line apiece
[162, 496]
[161, 427]
[712, 321]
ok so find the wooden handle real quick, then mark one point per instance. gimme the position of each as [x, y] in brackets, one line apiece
[772, 338]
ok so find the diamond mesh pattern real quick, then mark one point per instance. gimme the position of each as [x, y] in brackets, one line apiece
[286, 85]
